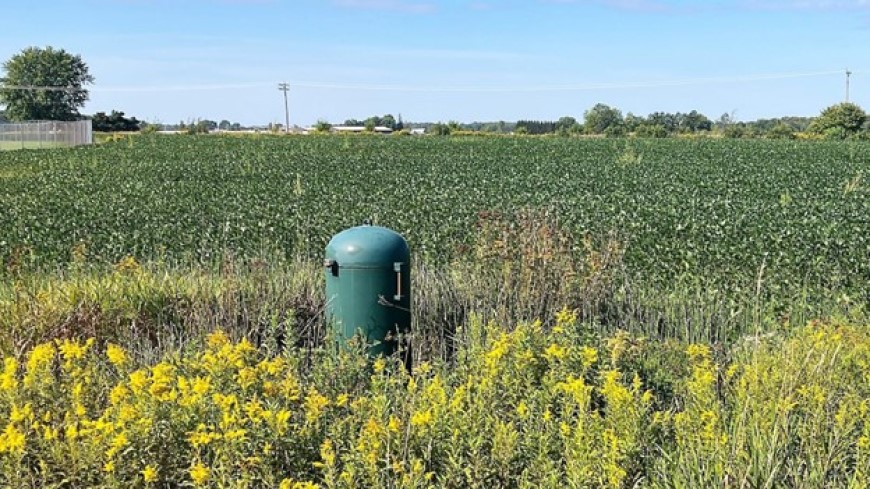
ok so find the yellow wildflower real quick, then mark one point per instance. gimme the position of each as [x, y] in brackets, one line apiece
[422, 419]
[138, 381]
[118, 443]
[199, 474]
[698, 353]
[217, 340]
[394, 424]
[118, 394]
[246, 377]
[40, 357]
[341, 400]
[245, 348]
[11, 440]
[588, 356]
[109, 467]
[565, 318]
[327, 453]
[162, 377]
[8, 380]
[522, 409]
[555, 352]
[116, 355]
[236, 435]
[200, 437]
[149, 473]
[254, 410]
[19, 414]
[315, 403]
[379, 365]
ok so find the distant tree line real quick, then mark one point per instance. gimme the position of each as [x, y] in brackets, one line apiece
[840, 121]
[396, 124]
[114, 122]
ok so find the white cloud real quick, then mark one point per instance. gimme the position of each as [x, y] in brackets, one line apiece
[412, 7]
[807, 4]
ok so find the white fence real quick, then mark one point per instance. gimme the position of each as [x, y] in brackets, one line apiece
[47, 134]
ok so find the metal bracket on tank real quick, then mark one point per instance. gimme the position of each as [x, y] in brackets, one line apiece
[332, 265]
[397, 267]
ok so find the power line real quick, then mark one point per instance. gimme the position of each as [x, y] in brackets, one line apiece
[467, 89]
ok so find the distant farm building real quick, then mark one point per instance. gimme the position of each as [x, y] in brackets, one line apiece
[352, 129]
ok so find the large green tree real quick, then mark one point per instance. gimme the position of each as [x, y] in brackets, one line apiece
[600, 118]
[839, 121]
[44, 84]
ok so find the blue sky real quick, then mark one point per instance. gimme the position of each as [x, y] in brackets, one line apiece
[466, 60]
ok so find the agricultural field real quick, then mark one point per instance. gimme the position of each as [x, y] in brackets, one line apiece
[587, 313]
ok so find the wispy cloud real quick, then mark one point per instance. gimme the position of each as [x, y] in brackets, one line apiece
[628, 5]
[807, 4]
[411, 7]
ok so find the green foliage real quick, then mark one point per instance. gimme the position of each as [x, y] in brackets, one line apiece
[704, 209]
[781, 131]
[48, 67]
[651, 131]
[440, 129]
[600, 118]
[114, 122]
[322, 126]
[839, 121]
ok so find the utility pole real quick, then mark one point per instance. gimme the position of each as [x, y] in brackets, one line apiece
[285, 87]
[848, 74]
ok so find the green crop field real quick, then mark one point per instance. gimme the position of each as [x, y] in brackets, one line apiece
[718, 208]
[725, 223]
[599, 313]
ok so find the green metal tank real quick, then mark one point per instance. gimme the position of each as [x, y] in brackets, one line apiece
[368, 286]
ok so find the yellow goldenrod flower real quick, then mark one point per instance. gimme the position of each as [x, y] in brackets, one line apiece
[199, 474]
[281, 421]
[379, 365]
[201, 386]
[217, 340]
[12, 440]
[394, 425]
[327, 453]
[40, 357]
[138, 381]
[246, 377]
[235, 435]
[555, 352]
[522, 410]
[8, 379]
[116, 355]
[254, 410]
[565, 318]
[19, 414]
[162, 378]
[245, 348]
[109, 467]
[698, 353]
[149, 473]
[421, 419]
[201, 438]
[72, 351]
[118, 443]
[588, 356]
[118, 394]
[341, 400]
[315, 403]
